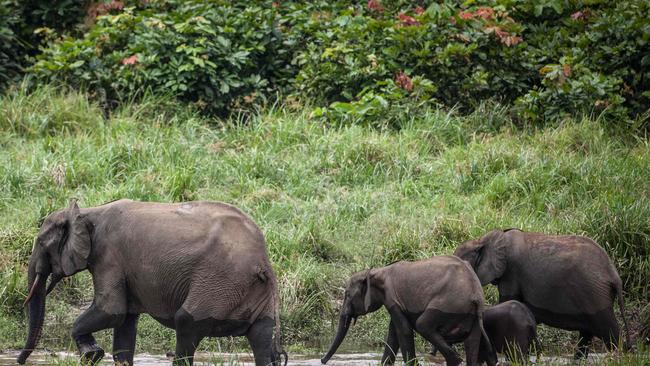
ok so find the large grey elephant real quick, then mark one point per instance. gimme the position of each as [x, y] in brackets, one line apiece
[200, 268]
[441, 298]
[567, 281]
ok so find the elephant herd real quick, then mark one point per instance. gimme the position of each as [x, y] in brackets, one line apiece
[202, 269]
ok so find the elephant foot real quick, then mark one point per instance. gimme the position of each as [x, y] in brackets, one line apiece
[91, 353]
[455, 360]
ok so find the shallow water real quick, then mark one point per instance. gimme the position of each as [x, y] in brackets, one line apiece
[244, 359]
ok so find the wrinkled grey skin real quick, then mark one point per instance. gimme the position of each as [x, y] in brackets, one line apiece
[511, 328]
[567, 281]
[440, 298]
[200, 268]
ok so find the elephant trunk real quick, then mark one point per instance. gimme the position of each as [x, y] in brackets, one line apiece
[344, 325]
[36, 302]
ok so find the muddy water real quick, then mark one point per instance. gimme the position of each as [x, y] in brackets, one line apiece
[202, 359]
[243, 359]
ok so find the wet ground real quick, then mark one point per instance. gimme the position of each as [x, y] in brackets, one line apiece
[243, 359]
[202, 359]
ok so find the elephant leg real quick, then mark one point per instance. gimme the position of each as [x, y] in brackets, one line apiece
[187, 338]
[426, 326]
[124, 340]
[260, 338]
[485, 354]
[391, 347]
[404, 333]
[583, 345]
[451, 357]
[93, 320]
[472, 345]
[608, 329]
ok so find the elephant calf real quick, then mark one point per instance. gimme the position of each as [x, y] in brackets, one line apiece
[440, 298]
[511, 328]
[200, 268]
[567, 281]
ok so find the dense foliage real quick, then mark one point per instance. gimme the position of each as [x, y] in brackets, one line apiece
[356, 60]
[26, 24]
[215, 54]
[548, 58]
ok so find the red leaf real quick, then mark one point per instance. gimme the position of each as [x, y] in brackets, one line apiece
[375, 5]
[511, 40]
[485, 13]
[131, 60]
[418, 10]
[104, 8]
[407, 20]
[578, 15]
[466, 15]
[403, 81]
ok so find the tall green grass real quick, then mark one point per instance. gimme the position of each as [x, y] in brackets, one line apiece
[331, 200]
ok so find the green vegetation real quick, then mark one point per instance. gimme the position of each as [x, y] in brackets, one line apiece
[354, 133]
[359, 61]
[331, 199]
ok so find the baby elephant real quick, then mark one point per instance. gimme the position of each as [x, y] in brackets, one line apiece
[440, 298]
[511, 328]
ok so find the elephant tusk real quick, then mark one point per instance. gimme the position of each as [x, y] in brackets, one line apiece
[31, 291]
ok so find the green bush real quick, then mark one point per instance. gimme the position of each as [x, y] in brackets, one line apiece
[359, 60]
[10, 46]
[593, 57]
[217, 55]
[25, 24]
[458, 52]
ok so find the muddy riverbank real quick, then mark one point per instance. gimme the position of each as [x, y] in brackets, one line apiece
[245, 359]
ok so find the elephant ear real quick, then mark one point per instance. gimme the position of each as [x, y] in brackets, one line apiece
[368, 298]
[491, 257]
[76, 248]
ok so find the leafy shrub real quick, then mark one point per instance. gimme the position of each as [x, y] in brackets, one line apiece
[215, 55]
[10, 47]
[591, 58]
[548, 58]
[397, 101]
[455, 50]
[25, 24]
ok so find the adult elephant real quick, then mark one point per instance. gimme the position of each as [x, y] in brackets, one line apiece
[200, 268]
[567, 281]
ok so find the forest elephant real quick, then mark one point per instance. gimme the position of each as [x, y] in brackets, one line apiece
[567, 281]
[511, 328]
[440, 298]
[200, 268]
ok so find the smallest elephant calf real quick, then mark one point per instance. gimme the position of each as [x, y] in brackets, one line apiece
[511, 328]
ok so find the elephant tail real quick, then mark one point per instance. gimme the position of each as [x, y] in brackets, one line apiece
[484, 336]
[618, 286]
